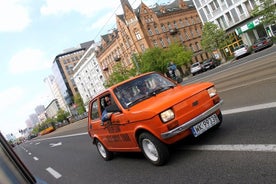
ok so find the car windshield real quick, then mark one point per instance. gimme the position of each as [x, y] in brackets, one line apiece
[239, 47]
[142, 88]
[195, 65]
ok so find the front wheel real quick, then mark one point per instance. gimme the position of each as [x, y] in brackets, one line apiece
[105, 154]
[153, 149]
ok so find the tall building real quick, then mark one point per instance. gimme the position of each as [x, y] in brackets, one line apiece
[39, 109]
[147, 27]
[88, 76]
[62, 68]
[56, 92]
[233, 16]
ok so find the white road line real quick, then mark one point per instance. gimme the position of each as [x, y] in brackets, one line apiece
[30, 153]
[250, 108]
[53, 172]
[63, 136]
[234, 147]
[35, 158]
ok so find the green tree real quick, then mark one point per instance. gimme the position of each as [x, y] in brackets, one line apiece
[157, 59]
[266, 10]
[62, 115]
[79, 102]
[213, 38]
[120, 73]
[153, 59]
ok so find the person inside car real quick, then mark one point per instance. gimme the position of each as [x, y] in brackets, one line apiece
[106, 115]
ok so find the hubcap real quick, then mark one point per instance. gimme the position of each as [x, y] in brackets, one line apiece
[150, 150]
[101, 149]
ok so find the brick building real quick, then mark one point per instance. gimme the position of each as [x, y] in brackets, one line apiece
[147, 27]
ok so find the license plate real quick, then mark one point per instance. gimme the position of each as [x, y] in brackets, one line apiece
[205, 125]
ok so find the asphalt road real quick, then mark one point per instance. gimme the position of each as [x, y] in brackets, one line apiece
[242, 150]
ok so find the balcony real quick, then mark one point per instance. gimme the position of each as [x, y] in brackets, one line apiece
[173, 31]
[117, 58]
[105, 69]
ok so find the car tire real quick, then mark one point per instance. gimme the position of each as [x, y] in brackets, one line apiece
[153, 149]
[105, 154]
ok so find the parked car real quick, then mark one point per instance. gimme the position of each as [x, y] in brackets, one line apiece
[241, 51]
[149, 112]
[210, 64]
[262, 43]
[196, 68]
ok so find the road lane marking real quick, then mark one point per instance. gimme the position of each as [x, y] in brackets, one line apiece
[53, 172]
[35, 158]
[234, 147]
[30, 153]
[62, 136]
[250, 108]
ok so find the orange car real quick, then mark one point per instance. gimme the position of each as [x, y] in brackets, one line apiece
[150, 111]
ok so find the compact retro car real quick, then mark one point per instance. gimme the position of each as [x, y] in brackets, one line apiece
[149, 112]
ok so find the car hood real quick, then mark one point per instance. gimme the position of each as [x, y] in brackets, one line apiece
[154, 105]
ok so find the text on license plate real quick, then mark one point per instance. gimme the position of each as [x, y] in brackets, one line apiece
[205, 125]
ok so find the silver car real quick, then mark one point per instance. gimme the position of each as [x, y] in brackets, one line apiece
[196, 68]
[242, 50]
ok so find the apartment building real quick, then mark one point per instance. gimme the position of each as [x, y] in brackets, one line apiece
[88, 76]
[233, 16]
[62, 68]
[147, 27]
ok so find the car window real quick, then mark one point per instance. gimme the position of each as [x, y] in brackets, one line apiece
[139, 89]
[94, 110]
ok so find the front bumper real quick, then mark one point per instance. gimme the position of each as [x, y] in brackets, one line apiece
[192, 122]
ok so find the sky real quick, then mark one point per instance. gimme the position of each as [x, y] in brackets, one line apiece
[32, 34]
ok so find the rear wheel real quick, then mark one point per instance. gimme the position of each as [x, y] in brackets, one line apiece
[153, 149]
[105, 154]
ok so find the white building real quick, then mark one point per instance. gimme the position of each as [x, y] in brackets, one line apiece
[88, 76]
[56, 92]
[233, 16]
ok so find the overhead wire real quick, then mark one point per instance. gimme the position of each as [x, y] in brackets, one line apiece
[105, 24]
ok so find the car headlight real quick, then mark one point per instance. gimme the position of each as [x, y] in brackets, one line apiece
[167, 115]
[212, 91]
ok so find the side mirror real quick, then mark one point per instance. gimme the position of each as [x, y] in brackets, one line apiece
[113, 108]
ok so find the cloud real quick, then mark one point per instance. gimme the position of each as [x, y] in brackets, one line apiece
[28, 60]
[14, 17]
[9, 97]
[84, 7]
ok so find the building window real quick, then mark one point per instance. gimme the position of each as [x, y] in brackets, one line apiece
[155, 43]
[142, 46]
[162, 42]
[240, 10]
[181, 23]
[163, 28]
[169, 26]
[181, 37]
[138, 36]
[207, 10]
[214, 5]
[229, 17]
[191, 47]
[150, 32]
[175, 25]
[156, 29]
[186, 35]
[168, 40]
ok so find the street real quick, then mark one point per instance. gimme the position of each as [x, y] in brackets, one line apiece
[242, 150]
